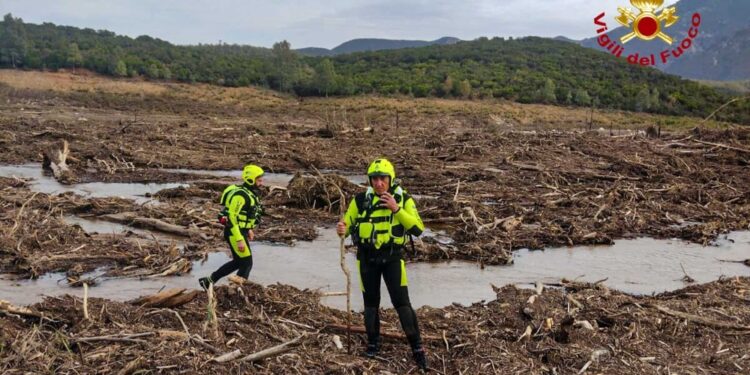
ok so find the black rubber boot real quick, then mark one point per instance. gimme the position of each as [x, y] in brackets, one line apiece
[408, 319]
[372, 350]
[205, 282]
[420, 357]
[372, 326]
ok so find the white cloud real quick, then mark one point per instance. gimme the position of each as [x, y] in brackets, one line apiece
[325, 24]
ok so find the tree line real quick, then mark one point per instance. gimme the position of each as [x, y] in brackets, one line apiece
[527, 70]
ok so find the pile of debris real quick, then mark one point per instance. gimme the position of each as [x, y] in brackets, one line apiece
[324, 191]
[553, 329]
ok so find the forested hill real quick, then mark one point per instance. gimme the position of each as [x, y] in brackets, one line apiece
[362, 45]
[526, 70]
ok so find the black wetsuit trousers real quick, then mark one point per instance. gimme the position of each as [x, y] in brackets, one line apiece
[241, 265]
[390, 269]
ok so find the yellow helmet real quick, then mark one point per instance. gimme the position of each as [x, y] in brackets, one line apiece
[381, 167]
[250, 173]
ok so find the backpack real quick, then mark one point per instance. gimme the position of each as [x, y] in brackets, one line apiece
[226, 195]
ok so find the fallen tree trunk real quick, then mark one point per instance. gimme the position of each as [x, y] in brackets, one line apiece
[130, 218]
[181, 299]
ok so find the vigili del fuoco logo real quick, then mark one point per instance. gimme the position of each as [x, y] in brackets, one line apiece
[649, 24]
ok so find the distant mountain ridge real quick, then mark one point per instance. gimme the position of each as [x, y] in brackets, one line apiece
[373, 44]
[563, 38]
[720, 52]
[726, 60]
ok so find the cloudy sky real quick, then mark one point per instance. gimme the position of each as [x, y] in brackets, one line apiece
[320, 23]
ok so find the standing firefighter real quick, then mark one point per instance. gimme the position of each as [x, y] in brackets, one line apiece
[241, 213]
[379, 221]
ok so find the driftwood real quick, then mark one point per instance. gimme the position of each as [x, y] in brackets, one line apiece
[526, 167]
[699, 319]
[321, 191]
[526, 334]
[228, 357]
[574, 173]
[130, 218]
[508, 224]
[442, 220]
[182, 265]
[212, 321]
[237, 280]
[195, 339]
[18, 215]
[723, 146]
[333, 294]
[390, 335]
[75, 281]
[181, 299]
[133, 366]
[745, 262]
[273, 351]
[8, 308]
[200, 341]
[722, 107]
[55, 160]
[78, 258]
[168, 298]
[148, 301]
[86, 301]
[126, 338]
[168, 333]
[337, 342]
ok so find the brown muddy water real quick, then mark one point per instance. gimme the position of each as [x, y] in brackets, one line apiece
[138, 192]
[638, 266]
[106, 227]
[271, 179]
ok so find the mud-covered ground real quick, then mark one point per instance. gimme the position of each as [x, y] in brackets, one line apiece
[491, 185]
[495, 176]
[573, 328]
[36, 238]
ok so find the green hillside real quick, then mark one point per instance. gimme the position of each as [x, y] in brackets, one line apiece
[526, 70]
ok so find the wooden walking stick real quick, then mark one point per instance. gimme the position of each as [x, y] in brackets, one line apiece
[344, 268]
[348, 297]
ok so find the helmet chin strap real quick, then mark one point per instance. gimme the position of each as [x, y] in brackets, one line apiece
[394, 189]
